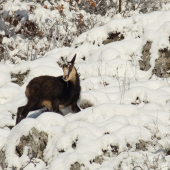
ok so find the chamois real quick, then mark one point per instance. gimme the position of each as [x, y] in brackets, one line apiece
[53, 92]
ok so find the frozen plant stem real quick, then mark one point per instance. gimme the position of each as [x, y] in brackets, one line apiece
[32, 160]
[100, 74]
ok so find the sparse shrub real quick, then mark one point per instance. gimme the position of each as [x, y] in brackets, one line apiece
[93, 6]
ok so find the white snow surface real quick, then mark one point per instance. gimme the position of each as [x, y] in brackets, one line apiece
[128, 123]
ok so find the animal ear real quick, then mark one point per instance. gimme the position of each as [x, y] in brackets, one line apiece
[73, 59]
[61, 62]
[62, 58]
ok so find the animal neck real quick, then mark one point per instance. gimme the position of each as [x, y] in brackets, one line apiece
[74, 77]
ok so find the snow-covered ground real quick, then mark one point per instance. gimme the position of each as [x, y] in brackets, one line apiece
[127, 125]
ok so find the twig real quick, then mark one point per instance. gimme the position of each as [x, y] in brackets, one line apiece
[137, 167]
[32, 160]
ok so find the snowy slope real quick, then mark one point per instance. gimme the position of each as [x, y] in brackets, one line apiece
[128, 123]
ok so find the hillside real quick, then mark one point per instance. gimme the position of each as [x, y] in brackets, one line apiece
[124, 122]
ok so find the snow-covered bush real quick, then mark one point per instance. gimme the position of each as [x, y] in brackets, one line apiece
[131, 7]
[29, 29]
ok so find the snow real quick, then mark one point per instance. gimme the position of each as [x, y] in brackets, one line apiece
[5, 78]
[128, 119]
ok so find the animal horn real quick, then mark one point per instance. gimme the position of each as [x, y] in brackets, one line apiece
[73, 59]
[62, 58]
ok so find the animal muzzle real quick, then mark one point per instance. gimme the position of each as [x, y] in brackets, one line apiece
[65, 78]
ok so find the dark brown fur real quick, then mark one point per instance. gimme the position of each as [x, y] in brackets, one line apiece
[51, 92]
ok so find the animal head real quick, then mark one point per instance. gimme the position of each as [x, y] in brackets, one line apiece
[69, 69]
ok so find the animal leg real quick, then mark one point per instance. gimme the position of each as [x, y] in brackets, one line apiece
[55, 105]
[75, 108]
[19, 112]
[24, 110]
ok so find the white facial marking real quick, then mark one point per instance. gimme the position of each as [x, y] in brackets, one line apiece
[66, 71]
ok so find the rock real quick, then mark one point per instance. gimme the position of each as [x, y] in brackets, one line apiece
[85, 104]
[142, 145]
[145, 62]
[113, 37]
[2, 158]
[18, 78]
[74, 143]
[75, 166]
[36, 142]
[111, 152]
[162, 64]
[98, 159]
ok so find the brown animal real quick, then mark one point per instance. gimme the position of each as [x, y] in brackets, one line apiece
[53, 92]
